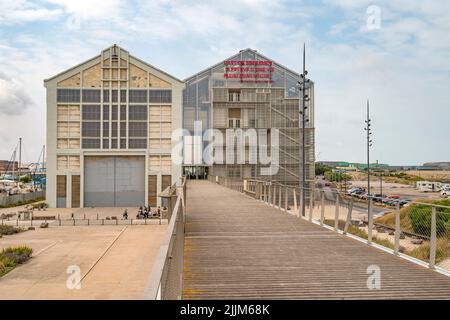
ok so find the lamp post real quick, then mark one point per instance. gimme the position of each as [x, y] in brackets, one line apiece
[302, 112]
[369, 145]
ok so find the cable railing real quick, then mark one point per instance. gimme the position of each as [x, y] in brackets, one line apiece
[166, 278]
[417, 230]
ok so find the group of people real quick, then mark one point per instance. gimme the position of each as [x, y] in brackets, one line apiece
[144, 213]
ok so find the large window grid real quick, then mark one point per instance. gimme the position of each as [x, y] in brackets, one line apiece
[68, 95]
[91, 96]
[90, 126]
[160, 96]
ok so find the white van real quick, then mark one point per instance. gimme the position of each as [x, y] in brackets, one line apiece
[445, 191]
[426, 186]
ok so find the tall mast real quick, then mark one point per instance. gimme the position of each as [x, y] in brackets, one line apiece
[20, 156]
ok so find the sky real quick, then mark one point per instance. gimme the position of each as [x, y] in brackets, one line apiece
[396, 53]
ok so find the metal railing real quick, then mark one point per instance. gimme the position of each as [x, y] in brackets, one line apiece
[418, 230]
[166, 278]
[81, 222]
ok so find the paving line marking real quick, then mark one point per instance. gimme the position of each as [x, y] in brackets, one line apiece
[103, 254]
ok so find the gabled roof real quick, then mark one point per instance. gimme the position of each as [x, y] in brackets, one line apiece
[99, 56]
[239, 53]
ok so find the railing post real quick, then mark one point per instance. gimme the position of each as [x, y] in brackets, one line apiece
[433, 238]
[311, 202]
[279, 196]
[322, 209]
[336, 213]
[397, 229]
[349, 216]
[300, 208]
[286, 198]
[269, 198]
[295, 200]
[370, 225]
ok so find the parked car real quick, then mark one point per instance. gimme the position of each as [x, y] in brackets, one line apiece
[355, 191]
[390, 199]
[378, 197]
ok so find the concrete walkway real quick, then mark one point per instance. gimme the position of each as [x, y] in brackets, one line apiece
[239, 248]
[115, 262]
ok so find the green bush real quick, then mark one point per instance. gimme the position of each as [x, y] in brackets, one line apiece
[420, 216]
[18, 250]
[7, 261]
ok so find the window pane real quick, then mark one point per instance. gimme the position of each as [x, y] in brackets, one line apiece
[137, 113]
[91, 112]
[137, 143]
[91, 143]
[137, 129]
[91, 129]
[160, 96]
[106, 96]
[68, 95]
[138, 96]
[91, 95]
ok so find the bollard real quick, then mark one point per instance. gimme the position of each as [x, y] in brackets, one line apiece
[311, 203]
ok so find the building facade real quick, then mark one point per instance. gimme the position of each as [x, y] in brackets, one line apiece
[249, 91]
[109, 125]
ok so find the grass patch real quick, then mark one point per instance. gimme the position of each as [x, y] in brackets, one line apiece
[361, 233]
[423, 252]
[9, 230]
[13, 256]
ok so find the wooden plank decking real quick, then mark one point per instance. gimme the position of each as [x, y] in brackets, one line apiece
[239, 248]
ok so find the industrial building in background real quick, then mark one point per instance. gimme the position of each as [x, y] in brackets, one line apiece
[249, 90]
[109, 125]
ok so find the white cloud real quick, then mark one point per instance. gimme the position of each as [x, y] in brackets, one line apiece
[23, 11]
[403, 67]
[13, 98]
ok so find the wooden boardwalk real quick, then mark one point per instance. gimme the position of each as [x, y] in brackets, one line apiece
[239, 248]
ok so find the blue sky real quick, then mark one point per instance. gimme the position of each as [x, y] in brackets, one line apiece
[402, 63]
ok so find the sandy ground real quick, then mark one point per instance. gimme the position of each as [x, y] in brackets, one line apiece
[432, 175]
[403, 190]
[121, 273]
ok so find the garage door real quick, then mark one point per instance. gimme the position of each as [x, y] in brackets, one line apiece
[114, 181]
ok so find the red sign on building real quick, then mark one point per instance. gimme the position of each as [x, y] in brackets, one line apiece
[254, 71]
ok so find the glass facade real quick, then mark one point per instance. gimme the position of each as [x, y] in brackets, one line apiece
[269, 98]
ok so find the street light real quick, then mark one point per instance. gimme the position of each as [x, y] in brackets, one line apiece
[369, 145]
[302, 112]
